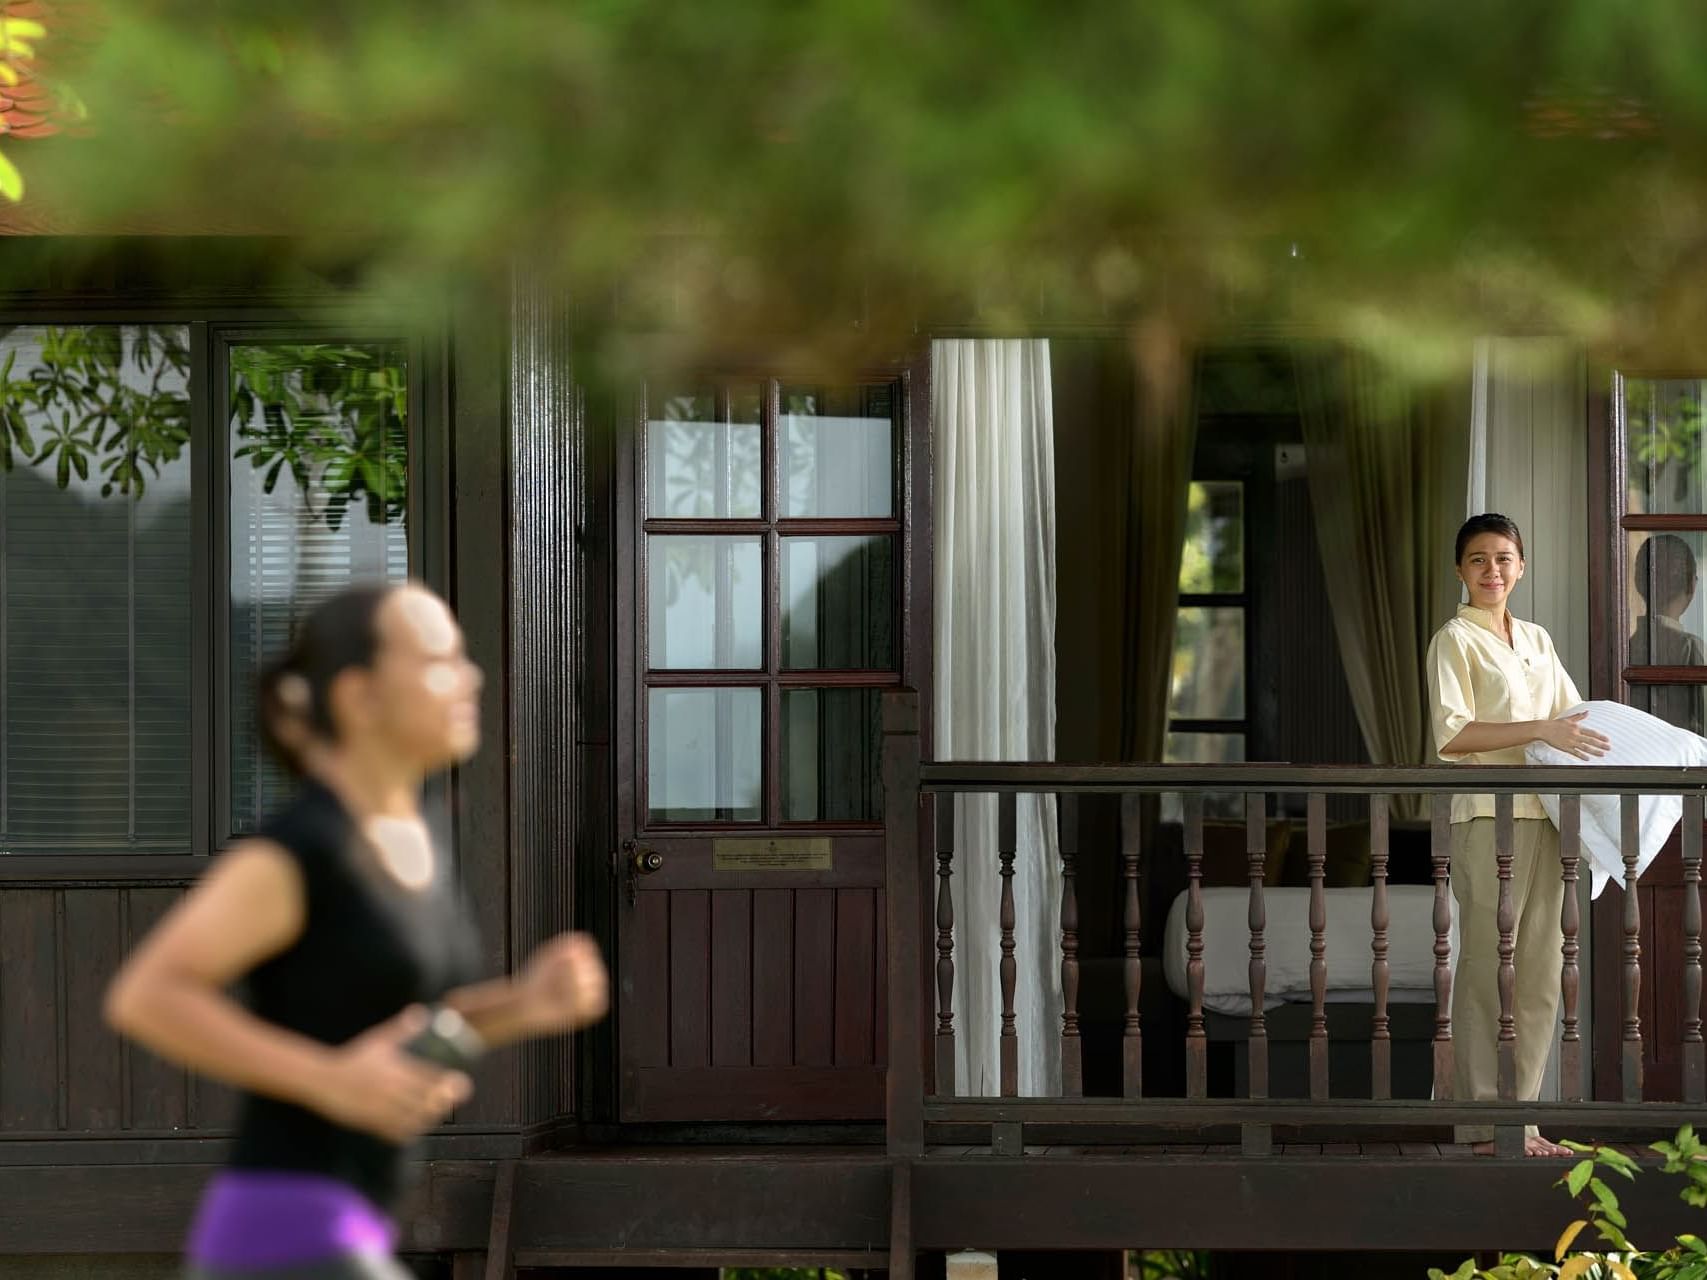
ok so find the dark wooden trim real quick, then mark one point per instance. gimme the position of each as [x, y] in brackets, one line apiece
[113, 870]
[904, 907]
[1665, 675]
[752, 1093]
[1341, 1112]
[206, 621]
[1606, 639]
[1663, 521]
[992, 776]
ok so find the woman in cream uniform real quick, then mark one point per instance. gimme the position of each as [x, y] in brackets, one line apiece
[1496, 684]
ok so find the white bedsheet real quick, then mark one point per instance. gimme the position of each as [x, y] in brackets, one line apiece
[1227, 940]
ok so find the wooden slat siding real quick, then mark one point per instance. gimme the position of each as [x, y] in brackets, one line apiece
[1570, 925]
[1132, 969]
[94, 1082]
[690, 978]
[1694, 1054]
[1316, 813]
[1007, 968]
[880, 981]
[773, 977]
[856, 969]
[1196, 1041]
[1380, 972]
[29, 1011]
[159, 1092]
[1256, 851]
[1629, 847]
[1506, 921]
[1440, 855]
[731, 978]
[945, 812]
[1072, 1061]
[648, 1030]
[814, 977]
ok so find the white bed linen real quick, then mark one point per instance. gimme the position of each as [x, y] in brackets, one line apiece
[1227, 941]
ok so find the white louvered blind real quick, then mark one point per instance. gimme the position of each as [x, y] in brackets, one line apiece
[95, 595]
[288, 551]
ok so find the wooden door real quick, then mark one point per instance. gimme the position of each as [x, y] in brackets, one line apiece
[761, 590]
[1649, 611]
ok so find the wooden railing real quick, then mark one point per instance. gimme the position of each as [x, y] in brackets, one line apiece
[921, 897]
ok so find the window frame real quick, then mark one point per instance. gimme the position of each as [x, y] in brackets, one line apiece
[772, 677]
[213, 329]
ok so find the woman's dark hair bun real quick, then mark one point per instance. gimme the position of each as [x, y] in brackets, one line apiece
[293, 690]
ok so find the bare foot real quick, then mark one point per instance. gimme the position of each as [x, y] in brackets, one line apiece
[1536, 1146]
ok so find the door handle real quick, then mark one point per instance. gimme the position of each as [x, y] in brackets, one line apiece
[638, 861]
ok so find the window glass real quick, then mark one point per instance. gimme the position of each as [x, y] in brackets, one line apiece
[705, 602]
[705, 749]
[838, 451]
[319, 472]
[1663, 421]
[831, 755]
[96, 601]
[699, 466]
[1209, 664]
[838, 603]
[1212, 560]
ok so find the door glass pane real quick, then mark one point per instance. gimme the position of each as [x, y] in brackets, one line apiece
[96, 602]
[838, 603]
[1213, 557]
[1668, 622]
[831, 755]
[705, 602]
[1662, 423]
[1209, 664]
[319, 469]
[699, 467]
[837, 451]
[705, 753]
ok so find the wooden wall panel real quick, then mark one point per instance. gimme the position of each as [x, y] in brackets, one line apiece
[94, 1073]
[690, 986]
[814, 977]
[773, 977]
[856, 985]
[30, 1008]
[158, 1093]
[731, 977]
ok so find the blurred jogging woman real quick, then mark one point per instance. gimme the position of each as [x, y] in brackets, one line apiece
[339, 915]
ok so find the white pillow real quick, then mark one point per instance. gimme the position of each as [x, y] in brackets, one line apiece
[1637, 739]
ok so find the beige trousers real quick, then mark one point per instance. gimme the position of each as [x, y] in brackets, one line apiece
[1537, 893]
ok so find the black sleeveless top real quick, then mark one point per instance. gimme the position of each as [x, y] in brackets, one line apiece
[369, 947]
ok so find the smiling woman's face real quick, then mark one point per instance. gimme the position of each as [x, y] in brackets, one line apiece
[1491, 567]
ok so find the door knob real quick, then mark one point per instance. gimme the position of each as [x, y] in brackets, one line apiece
[638, 862]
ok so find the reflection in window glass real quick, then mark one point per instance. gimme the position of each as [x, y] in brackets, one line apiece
[699, 467]
[1663, 428]
[837, 451]
[1209, 664]
[95, 591]
[319, 470]
[705, 753]
[1213, 557]
[838, 603]
[1669, 619]
[705, 605]
[831, 755]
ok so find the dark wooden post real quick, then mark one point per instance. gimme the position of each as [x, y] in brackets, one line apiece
[1440, 854]
[1506, 921]
[1380, 975]
[1694, 1061]
[904, 1108]
[1570, 925]
[1007, 842]
[1196, 1042]
[1072, 1062]
[1132, 970]
[1629, 813]
[1256, 850]
[945, 808]
[1317, 819]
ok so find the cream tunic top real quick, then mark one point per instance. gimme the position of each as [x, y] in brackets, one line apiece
[1473, 674]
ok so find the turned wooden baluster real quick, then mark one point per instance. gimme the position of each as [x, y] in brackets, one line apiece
[1196, 1041]
[1380, 975]
[1570, 925]
[1694, 1059]
[1316, 813]
[1007, 824]
[1132, 1034]
[1256, 849]
[945, 806]
[1440, 854]
[1629, 813]
[1072, 1060]
[1505, 920]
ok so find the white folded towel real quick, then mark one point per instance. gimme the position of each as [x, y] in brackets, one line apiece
[1638, 739]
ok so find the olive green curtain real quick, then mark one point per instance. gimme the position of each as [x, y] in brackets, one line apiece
[1387, 460]
[1158, 468]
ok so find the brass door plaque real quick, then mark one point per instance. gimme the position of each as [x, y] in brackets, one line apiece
[801, 853]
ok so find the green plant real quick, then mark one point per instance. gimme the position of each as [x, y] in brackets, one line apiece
[1621, 1258]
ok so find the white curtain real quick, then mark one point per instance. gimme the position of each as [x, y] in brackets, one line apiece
[993, 450]
[1529, 461]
